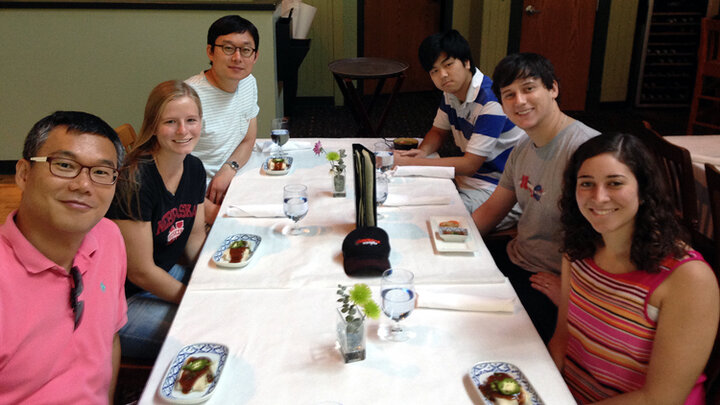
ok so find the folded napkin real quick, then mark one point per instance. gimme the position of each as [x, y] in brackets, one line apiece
[425, 171]
[463, 302]
[399, 200]
[269, 146]
[256, 210]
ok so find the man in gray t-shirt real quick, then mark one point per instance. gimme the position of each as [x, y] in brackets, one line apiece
[527, 88]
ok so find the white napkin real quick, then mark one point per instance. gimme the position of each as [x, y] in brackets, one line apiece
[399, 200]
[464, 302]
[425, 171]
[255, 210]
[269, 146]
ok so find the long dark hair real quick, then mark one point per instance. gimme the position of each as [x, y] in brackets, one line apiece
[658, 231]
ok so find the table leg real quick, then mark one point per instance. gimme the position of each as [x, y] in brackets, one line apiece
[395, 90]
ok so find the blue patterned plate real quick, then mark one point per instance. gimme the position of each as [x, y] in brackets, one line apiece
[480, 372]
[253, 241]
[288, 161]
[216, 352]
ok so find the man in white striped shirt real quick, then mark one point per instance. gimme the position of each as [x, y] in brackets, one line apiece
[228, 93]
[470, 112]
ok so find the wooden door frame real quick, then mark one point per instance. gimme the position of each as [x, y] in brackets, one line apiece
[597, 54]
[446, 7]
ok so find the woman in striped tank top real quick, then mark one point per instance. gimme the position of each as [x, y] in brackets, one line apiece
[639, 308]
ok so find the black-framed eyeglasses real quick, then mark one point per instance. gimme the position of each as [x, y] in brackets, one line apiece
[245, 51]
[78, 306]
[69, 169]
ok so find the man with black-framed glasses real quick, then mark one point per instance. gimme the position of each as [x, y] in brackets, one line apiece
[62, 267]
[228, 93]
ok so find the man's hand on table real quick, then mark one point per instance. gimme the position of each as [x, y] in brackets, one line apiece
[219, 184]
[404, 157]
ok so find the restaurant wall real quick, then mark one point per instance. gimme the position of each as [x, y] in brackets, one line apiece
[106, 62]
[486, 24]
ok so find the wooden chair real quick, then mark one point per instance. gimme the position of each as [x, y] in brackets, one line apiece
[713, 186]
[676, 166]
[705, 101]
[712, 369]
[127, 135]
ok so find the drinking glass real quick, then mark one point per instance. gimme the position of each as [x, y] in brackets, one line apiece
[384, 160]
[295, 205]
[398, 300]
[381, 190]
[280, 132]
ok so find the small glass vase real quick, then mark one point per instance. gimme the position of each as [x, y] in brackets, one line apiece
[351, 338]
[338, 184]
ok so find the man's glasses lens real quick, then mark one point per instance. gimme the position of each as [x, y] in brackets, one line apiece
[245, 51]
[68, 168]
[77, 305]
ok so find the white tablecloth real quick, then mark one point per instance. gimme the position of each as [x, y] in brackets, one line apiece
[703, 149]
[282, 350]
[277, 315]
[286, 261]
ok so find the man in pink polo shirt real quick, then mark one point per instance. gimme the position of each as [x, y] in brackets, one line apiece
[62, 267]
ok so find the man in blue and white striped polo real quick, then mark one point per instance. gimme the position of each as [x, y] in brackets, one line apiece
[470, 112]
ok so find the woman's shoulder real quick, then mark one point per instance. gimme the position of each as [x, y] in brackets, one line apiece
[194, 164]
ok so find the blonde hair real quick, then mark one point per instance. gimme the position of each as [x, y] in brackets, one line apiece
[127, 194]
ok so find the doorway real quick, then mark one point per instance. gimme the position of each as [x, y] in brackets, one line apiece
[394, 30]
[562, 31]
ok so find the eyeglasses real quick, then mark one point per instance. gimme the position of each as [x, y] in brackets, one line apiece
[75, 291]
[69, 169]
[245, 51]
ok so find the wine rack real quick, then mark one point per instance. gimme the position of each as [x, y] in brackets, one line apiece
[669, 55]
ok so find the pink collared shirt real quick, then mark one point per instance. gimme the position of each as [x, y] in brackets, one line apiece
[42, 359]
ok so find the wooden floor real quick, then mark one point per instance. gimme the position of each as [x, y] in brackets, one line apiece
[9, 195]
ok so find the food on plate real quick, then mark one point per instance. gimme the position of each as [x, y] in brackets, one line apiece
[238, 251]
[405, 143]
[503, 389]
[449, 224]
[197, 374]
[277, 164]
[451, 230]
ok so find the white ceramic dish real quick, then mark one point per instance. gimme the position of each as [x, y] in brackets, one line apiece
[465, 246]
[480, 372]
[288, 161]
[253, 242]
[216, 352]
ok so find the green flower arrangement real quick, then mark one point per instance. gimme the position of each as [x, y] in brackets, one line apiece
[357, 303]
[336, 159]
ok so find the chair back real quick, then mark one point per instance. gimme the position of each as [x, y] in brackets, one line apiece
[712, 369]
[676, 166]
[709, 50]
[127, 135]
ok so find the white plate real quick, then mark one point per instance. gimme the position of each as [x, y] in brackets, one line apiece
[468, 245]
[216, 352]
[288, 160]
[253, 242]
[480, 372]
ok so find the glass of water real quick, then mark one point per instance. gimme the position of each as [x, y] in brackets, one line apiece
[384, 160]
[381, 190]
[280, 133]
[398, 300]
[295, 205]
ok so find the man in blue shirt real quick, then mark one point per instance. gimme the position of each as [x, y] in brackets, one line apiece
[470, 112]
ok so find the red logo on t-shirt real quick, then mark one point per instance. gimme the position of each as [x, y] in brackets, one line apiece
[175, 231]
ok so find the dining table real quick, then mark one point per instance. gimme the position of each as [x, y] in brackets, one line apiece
[277, 315]
[703, 149]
